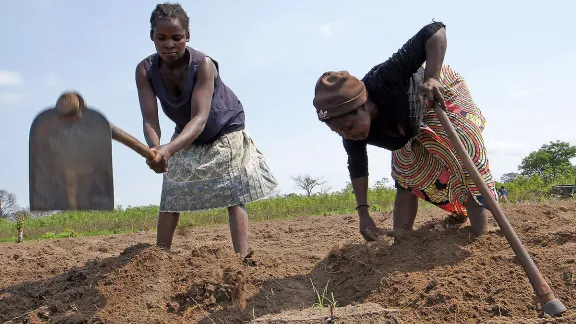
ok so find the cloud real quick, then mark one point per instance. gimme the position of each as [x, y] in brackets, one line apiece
[508, 148]
[519, 94]
[327, 30]
[9, 78]
[53, 81]
[7, 98]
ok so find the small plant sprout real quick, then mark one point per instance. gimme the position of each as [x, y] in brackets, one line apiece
[323, 300]
[319, 298]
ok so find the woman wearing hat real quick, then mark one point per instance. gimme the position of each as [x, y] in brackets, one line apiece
[392, 108]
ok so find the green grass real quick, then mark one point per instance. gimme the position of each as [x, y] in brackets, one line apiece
[132, 219]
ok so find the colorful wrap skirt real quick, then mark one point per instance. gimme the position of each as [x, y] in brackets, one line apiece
[428, 165]
[228, 172]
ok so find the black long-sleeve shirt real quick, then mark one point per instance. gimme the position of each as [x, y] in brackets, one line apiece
[393, 87]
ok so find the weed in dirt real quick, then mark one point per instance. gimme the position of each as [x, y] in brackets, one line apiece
[321, 299]
[570, 278]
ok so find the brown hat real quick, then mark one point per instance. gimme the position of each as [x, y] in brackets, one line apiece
[338, 93]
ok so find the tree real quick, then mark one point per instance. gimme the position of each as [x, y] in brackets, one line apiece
[307, 183]
[7, 204]
[550, 161]
[509, 177]
[325, 189]
[383, 183]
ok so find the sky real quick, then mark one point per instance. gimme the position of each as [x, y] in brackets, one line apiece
[517, 58]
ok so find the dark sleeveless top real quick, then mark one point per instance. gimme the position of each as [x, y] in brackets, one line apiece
[226, 112]
[393, 87]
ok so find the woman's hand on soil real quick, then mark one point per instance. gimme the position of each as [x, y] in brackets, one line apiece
[160, 162]
[431, 91]
[368, 228]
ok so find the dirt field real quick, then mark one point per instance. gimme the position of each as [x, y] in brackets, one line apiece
[440, 274]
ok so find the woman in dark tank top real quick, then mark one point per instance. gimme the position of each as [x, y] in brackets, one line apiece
[210, 161]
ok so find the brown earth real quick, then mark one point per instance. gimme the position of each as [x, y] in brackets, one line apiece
[440, 273]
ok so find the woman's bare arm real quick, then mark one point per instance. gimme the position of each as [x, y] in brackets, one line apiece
[148, 107]
[435, 51]
[201, 102]
[360, 187]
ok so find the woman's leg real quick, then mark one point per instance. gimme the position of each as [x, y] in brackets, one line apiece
[404, 212]
[166, 226]
[238, 218]
[478, 216]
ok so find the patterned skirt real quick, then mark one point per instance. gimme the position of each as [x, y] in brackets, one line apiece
[429, 167]
[227, 172]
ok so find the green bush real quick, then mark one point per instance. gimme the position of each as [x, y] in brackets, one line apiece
[532, 188]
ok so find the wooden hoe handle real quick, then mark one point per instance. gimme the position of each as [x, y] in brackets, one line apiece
[130, 141]
[550, 304]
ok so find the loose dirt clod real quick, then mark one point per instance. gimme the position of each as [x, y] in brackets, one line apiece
[439, 273]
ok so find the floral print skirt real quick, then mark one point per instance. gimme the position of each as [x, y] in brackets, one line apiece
[228, 172]
[429, 167]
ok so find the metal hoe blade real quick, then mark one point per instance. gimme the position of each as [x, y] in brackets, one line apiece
[70, 159]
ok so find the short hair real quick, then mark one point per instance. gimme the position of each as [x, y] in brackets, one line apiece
[168, 10]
